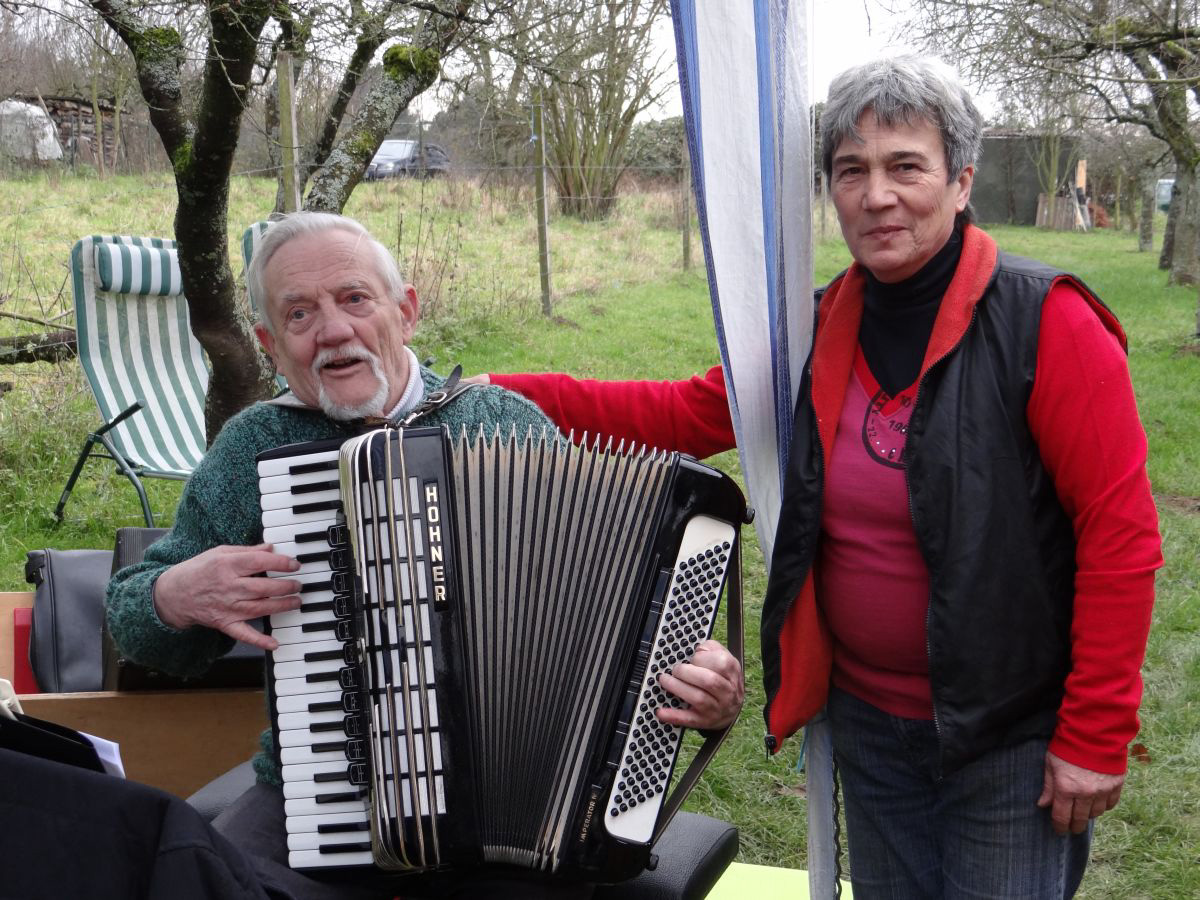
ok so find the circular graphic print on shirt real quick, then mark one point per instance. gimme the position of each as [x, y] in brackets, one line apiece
[885, 427]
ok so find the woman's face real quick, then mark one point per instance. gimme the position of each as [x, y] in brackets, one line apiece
[893, 198]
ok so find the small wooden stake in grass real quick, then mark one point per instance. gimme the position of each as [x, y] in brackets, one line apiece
[289, 139]
[685, 203]
[539, 135]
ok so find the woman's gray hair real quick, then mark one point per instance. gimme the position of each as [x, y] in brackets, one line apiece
[293, 225]
[903, 90]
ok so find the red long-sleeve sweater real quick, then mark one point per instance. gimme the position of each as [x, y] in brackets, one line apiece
[691, 416]
[1084, 419]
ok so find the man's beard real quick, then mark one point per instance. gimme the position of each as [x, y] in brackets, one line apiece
[373, 406]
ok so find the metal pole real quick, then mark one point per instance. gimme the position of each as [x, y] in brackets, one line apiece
[539, 135]
[289, 140]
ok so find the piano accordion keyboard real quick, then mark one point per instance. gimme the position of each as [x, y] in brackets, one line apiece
[534, 576]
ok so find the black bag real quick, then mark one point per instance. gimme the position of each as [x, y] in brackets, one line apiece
[240, 667]
[70, 649]
[68, 617]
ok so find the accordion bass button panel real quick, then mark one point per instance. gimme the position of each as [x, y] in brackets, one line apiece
[689, 608]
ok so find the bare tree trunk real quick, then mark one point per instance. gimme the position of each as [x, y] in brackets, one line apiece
[407, 71]
[1116, 216]
[200, 134]
[274, 145]
[201, 150]
[1146, 221]
[1187, 228]
[98, 126]
[1167, 253]
[118, 100]
[315, 155]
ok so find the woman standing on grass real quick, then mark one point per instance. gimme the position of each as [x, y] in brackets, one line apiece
[963, 572]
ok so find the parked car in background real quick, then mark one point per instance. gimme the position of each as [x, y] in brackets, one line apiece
[1162, 193]
[401, 157]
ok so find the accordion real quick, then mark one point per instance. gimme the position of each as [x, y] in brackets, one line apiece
[472, 675]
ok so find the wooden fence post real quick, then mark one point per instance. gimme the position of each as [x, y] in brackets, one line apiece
[288, 135]
[539, 135]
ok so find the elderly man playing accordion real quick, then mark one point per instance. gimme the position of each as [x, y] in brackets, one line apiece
[336, 318]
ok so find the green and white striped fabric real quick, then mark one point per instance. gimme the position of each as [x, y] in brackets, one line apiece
[131, 269]
[251, 238]
[135, 344]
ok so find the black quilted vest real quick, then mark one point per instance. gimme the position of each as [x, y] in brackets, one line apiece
[999, 547]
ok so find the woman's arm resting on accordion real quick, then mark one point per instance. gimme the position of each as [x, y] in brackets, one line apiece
[691, 415]
[711, 684]
[223, 587]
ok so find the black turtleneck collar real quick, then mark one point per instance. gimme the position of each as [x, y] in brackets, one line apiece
[898, 318]
[929, 283]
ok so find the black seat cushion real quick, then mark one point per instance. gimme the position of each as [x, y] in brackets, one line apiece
[692, 853]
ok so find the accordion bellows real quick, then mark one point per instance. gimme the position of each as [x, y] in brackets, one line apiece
[473, 673]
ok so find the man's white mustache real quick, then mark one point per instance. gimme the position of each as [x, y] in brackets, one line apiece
[373, 406]
[342, 354]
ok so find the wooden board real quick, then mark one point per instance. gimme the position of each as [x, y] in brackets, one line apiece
[175, 740]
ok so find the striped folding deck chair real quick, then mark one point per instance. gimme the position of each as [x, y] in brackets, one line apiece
[144, 366]
[250, 241]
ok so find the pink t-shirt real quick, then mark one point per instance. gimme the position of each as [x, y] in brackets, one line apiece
[871, 578]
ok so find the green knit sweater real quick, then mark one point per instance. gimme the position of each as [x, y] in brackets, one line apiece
[220, 505]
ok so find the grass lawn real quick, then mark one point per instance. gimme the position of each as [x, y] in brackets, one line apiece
[623, 309]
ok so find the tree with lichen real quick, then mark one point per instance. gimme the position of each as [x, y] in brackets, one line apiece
[421, 39]
[197, 114]
[200, 135]
[1139, 59]
[408, 70]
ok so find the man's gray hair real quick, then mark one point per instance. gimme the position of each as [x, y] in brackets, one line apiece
[903, 90]
[297, 224]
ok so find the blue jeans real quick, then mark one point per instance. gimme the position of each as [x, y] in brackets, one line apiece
[977, 832]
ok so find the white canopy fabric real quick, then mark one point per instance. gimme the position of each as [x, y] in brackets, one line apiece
[743, 73]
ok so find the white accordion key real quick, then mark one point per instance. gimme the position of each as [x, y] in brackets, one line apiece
[303, 735]
[306, 614]
[640, 785]
[308, 753]
[284, 465]
[277, 484]
[291, 501]
[273, 518]
[309, 840]
[315, 859]
[303, 704]
[306, 824]
[298, 660]
[292, 531]
[308, 806]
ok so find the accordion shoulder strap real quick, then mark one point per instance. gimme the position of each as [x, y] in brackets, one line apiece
[435, 400]
[735, 643]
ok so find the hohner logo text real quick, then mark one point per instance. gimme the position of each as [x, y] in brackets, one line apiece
[437, 566]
